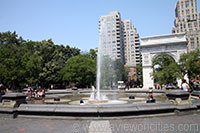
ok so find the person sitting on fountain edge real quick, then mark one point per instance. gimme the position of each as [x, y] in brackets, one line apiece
[185, 86]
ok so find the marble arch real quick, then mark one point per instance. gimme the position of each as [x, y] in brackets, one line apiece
[173, 44]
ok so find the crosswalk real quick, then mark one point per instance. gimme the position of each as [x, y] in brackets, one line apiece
[100, 127]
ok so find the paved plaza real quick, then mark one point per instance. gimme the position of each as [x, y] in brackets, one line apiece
[184, 123]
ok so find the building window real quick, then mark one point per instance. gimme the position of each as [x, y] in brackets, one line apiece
[182, 12]
[192, 3]
[187, 4]
[193, 17]
[182, 4]
[195, 24]
[192, 45]
[188, 16]
[190, 25]
[113, 49]
[188, 11]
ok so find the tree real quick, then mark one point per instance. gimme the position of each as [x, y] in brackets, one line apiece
[139, 73]
[166, 70]
[92, 54]
[80, 70]
[12, 69]
[33, 63]
[10, 38]
[29, 62]
[190, 63]
[53, 59]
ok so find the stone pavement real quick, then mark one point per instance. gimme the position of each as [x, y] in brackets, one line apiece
[179, 124]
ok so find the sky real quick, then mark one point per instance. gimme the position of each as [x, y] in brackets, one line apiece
[75, 22]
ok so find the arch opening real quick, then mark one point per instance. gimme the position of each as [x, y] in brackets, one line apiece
[166, 70]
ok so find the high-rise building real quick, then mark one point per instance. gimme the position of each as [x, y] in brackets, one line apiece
[119, 38]
[111, 35]
[131, 44]
[131, 47]
[188, 20]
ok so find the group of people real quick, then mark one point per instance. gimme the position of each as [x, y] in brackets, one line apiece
[189, 87]
[36, 93]
[185, 86]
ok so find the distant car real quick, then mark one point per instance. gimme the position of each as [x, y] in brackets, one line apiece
[74, 88]
[121, 85]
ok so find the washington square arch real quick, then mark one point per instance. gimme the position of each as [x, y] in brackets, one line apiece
[173, 45]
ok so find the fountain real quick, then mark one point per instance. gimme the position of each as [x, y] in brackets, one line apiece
[96, 97]
[105, 79]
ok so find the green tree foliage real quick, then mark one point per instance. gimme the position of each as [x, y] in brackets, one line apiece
[80, 70]
[34, 63]
[166, 71]
[12, 69]
[92, 54]
[190, 63]
[139, 73]
[10, 38]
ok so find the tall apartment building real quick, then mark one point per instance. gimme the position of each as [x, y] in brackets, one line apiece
[188, 20]
[119, 38]
[131, 44]
[111, 35]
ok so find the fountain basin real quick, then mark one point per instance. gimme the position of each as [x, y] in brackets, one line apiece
[173, 95]
[13, 99]
[94, 110]
[95, 101]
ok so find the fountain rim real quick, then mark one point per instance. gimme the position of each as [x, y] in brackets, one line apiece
[101, 111]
